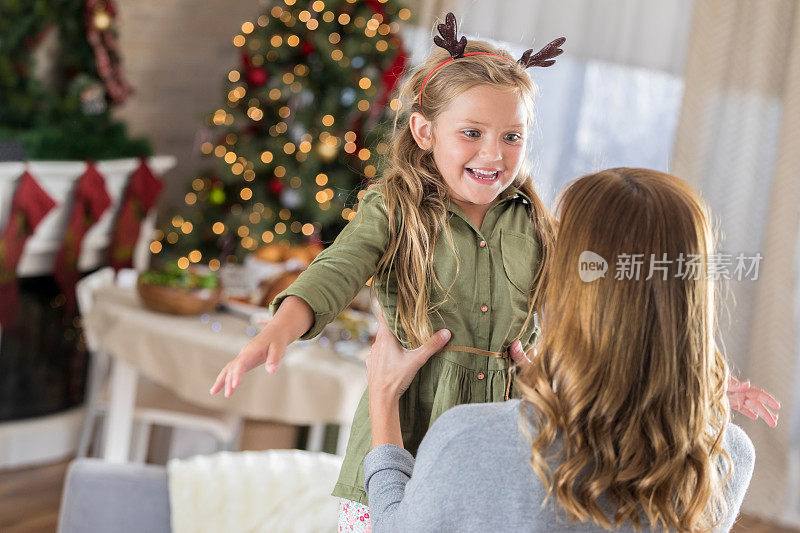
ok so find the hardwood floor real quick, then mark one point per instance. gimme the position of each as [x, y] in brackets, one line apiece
[30, 499]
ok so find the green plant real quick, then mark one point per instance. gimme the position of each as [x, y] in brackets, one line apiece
[175, 277]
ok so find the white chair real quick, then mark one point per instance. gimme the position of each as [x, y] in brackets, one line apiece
[155, 405]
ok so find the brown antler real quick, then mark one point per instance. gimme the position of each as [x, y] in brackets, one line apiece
[449, 41]
[544, 57]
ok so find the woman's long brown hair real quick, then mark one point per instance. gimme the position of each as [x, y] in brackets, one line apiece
[628, 377]
[415, 192]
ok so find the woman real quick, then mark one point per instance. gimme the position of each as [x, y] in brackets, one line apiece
[623, 421]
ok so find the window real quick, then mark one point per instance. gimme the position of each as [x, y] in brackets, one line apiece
[595, 115]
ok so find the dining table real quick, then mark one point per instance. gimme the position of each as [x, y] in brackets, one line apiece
[315, 384]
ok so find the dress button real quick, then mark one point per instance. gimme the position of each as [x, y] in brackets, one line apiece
[484, 308]
[481, 375]
[482, 244]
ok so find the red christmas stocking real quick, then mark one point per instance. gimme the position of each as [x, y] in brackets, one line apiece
[29, 206]
[91, 200]
[140, 196]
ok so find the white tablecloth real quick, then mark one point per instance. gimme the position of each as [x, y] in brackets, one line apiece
[313, 384]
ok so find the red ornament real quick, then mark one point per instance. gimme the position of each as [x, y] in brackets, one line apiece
[275, 186]
[256, 77]
[246, 62]
[307, 48]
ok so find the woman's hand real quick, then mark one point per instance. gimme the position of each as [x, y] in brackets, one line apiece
[391, 368]
[519, 356]
[390, 371]
[752, 402]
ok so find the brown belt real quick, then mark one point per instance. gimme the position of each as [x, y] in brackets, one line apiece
[478, 351]
[487, 353]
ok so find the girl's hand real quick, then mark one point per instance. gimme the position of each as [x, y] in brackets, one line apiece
[268, 347]
[293, 318]
[752, 402]
[391, 368]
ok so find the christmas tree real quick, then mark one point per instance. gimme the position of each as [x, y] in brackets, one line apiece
[61, 108]
[302, 126]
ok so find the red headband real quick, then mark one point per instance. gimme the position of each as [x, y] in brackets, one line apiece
[449, 41]
[451, 59]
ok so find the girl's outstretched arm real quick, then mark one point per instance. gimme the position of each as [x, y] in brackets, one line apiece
[319, 294]
[293, 318]
[334, 278]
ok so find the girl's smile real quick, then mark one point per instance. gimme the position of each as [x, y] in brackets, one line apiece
[483, 175]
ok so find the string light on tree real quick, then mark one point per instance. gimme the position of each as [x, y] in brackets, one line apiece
[101, 19]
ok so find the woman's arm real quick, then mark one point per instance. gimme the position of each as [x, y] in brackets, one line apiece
[388, 467]
[385, 420]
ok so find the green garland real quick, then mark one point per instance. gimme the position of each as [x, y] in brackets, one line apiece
[49, 119]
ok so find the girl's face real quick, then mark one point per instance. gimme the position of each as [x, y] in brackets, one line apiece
[478, 142]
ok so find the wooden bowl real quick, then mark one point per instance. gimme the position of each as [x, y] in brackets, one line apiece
[177, 301]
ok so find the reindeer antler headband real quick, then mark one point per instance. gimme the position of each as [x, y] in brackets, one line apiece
[450, 42]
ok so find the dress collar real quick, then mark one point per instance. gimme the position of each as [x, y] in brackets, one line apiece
[515, 192]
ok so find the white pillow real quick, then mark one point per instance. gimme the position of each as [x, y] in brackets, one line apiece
[269, 491]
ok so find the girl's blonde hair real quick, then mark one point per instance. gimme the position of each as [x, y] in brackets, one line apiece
[415, 192]
[628, 375]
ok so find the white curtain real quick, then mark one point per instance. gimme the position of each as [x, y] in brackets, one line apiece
[738, 141]
[642, 33]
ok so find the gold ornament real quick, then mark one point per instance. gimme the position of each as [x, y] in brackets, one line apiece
[101, 20]
[326, 152]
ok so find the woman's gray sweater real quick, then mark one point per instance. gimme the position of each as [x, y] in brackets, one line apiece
[472, 473]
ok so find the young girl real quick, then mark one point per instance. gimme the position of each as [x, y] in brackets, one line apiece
[452, 234]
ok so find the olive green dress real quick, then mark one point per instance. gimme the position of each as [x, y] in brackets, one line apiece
[486, 310]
